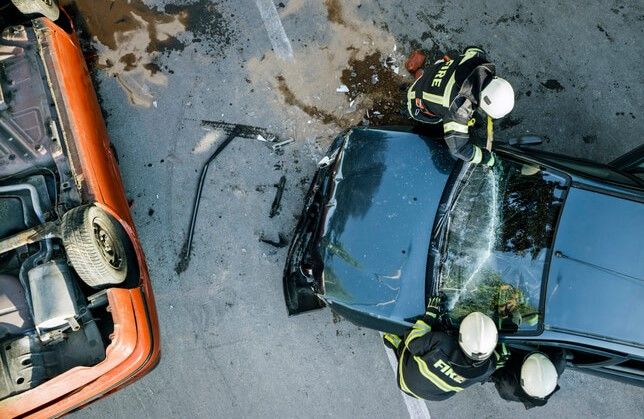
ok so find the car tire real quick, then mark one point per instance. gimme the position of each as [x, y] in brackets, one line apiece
[96, 246]
[31, 8]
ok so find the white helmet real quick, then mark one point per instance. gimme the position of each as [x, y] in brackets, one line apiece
[477, 336]
[497, 98]
[538, 376]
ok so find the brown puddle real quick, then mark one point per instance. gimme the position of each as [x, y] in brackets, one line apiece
[334, 12]
[352, 52]
[106, 21]
[379, 89]
[128, 37]
[312, 111]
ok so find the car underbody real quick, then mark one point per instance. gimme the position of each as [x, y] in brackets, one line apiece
[57, 250]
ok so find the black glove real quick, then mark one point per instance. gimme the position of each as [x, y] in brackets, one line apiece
[434, 306]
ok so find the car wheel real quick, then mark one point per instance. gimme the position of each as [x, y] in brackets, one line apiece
[96, 246]
[46, 8]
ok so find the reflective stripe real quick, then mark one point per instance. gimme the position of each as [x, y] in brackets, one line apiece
[419, 329]
[455, 126]
[430, 314]
[401, 379]
[478, 155]
[420, 324]
[411, 97]
[393, 339]
[438, 382]
[445, 99]
[416, 333]
[469, 53]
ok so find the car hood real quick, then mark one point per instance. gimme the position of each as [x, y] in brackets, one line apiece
[596, 278]
[386, 188]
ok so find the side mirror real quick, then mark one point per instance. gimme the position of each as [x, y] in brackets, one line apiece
[525, 140]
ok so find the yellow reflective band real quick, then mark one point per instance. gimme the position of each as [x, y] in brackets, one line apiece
[411, 97]
[393, 339]
[478, 155]
[455, 126]
[445, 99]
[438, 382]
[471, 122]
[415, 333]
[469, 53]
[420, 324]
[401, 380]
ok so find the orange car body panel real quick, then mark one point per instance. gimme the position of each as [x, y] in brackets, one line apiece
[134, 347]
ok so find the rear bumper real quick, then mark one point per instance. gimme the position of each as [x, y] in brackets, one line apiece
[134, 351]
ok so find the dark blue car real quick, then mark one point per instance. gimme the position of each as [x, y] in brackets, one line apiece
[547, 245]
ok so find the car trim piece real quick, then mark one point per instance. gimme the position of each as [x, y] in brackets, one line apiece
[594, 336]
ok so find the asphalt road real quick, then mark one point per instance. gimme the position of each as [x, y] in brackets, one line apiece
[228, 347]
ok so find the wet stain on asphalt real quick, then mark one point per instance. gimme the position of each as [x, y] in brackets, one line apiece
[334, 12]
[312, 111]
[108, 21]
[602, 30]
[589, 139]
[207, 23]
[509, 122]
[126, 38]
[552, 84]
[378, 88]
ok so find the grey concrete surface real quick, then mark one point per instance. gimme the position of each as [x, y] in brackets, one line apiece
[228, 347]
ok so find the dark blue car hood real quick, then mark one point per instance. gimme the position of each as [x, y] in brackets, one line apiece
[375, 240]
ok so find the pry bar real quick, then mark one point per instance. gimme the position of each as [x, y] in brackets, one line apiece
[184, 257]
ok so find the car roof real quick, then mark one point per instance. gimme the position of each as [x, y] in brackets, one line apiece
[596, 277]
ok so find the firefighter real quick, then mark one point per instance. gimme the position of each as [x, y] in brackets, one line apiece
[450, 90]
[435, 365]
[530, 377]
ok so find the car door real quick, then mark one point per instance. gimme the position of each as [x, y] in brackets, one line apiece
[591, 360]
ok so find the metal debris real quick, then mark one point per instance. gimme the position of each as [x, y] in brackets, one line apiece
[342, 89]
[283, 241]
[275, 207]
[278, 146]
[270, 139]
[184, 258]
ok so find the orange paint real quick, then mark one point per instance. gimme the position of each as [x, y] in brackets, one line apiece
[134, 349]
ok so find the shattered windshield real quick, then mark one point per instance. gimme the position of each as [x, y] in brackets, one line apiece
[495, 243]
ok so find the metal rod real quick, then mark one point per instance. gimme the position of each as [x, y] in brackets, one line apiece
[185, 256]
[40, 232]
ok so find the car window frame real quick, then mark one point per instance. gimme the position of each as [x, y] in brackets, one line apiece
[559, 162]
[612, 358]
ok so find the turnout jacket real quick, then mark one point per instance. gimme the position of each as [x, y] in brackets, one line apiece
[507, 379]
[432, 366]
[449, 92]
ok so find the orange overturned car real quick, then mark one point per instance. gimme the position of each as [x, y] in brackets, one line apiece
[77, 314]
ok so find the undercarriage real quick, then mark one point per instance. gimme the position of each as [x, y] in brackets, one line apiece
[58, 251]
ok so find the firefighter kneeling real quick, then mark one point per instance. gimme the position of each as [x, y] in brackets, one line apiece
[435, 365]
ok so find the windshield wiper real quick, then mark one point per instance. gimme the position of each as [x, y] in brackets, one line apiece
[463, 178]
[441, 231]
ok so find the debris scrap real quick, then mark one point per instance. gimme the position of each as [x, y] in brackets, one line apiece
[282, 242]
[275, 207]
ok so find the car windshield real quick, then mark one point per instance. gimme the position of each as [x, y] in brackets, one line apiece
[495, 242]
